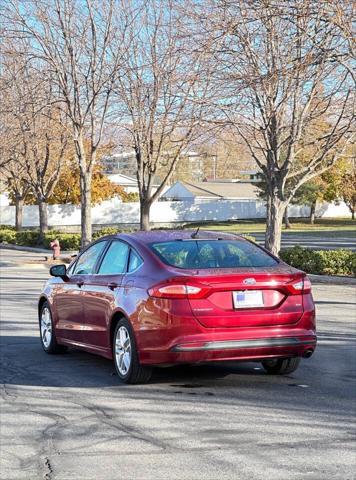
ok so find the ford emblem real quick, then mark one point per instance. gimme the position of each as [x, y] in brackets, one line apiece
[249, 281]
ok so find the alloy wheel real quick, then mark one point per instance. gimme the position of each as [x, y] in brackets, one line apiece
[46, 327]
[123, 350]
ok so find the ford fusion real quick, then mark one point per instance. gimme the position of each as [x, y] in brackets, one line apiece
[161, 298]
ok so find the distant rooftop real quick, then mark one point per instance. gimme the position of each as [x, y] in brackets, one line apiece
[212, 190]
[221, 180]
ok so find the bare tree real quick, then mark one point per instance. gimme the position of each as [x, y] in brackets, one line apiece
[44, 140]
[283, 67]
[12, 169]
[14, 175]
[162, 94]
[38, 139]
[79, 42]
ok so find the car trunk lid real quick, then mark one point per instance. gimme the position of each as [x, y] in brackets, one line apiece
[251, 297]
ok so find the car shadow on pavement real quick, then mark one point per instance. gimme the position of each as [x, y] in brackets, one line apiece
[76, 368]
[24, 363]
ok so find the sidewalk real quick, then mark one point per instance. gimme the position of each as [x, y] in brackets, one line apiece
[21, 248]
[29, 256]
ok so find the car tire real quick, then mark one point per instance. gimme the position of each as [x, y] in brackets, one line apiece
[47, 332]
[281, 366]
[125, 355]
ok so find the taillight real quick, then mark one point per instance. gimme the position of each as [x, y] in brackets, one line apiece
[302, 285]
[178, 290]
[307, 285]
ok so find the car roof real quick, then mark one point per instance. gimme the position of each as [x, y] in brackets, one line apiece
[169, 235]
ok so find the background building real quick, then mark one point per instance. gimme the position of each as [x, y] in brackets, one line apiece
[218, 190]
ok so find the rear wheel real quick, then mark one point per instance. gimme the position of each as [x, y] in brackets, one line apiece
[281, 366]
[125, 355]
[47, 332]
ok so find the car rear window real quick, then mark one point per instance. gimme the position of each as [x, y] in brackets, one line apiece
[192, 254]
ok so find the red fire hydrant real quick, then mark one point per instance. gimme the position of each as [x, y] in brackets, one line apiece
[56, 249]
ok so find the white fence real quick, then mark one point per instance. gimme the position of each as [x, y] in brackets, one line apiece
[116, 212]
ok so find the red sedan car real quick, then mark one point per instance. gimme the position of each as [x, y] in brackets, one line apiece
[168, 297]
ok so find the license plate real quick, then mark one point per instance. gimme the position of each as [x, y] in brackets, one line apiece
[248, 298]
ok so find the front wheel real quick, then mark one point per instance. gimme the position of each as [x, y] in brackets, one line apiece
[48, 335]
[281, 366]
[125, 355]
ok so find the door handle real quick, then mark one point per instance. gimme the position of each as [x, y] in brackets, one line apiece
[128, 285]
[112, 285]
[80, 283]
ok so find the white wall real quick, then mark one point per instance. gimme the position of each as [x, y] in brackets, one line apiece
[4, 199]
[330, 210]
[114, 211]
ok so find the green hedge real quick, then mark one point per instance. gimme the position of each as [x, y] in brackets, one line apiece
[27, 238]
[7, 236]
[105, 231]
[67, 241]
[321, 262]
[31, 238]
[7, 227]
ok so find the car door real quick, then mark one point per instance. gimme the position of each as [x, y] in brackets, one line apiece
[102, 292]
[68, 295]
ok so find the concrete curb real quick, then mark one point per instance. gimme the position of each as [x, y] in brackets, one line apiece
[332, 280]
[34, 266]
[34, 249]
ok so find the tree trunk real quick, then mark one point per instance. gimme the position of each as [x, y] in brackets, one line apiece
[312, 213]
[145, 215]
[275, 212]
[85, 199]
[353, 214]
[43, 213]
[19, 202]
[286, 218]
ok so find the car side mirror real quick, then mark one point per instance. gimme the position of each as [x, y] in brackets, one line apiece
[59, 271]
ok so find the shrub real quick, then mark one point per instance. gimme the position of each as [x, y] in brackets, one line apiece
[28, 238]
[7, 236]
[105, 231]
[321, 262]
[67, 241]
[7, 227]
[337, 262]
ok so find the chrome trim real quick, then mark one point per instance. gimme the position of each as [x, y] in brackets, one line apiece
[241, 344]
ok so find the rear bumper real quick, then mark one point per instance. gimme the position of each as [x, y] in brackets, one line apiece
[232, 350]
[181, 339]
[244, 344]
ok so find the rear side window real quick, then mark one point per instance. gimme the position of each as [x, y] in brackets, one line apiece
[192, 254]
[115, 259]
[134, 262]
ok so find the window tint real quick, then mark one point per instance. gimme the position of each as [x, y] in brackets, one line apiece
[86, 262]
[115, 259]
[212, 254]
[135, 261]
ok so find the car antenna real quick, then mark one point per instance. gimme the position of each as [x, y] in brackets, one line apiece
[195, 234]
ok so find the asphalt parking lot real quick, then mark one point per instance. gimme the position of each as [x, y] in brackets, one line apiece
[319, 240]
[68, 417]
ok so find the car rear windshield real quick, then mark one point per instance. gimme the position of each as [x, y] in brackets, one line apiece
[191, 254]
